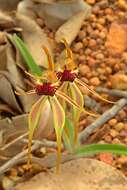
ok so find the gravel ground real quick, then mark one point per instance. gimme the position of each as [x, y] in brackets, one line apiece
[97, 64]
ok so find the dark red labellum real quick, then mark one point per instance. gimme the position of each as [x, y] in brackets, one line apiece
[66, 75]
[45, 89]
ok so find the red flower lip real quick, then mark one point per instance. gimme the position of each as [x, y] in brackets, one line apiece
[45, 89]
[66, 75]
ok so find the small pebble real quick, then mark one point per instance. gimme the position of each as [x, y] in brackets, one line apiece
[94, 73]
[103, 4]
[111, 61]
[78, 46]
[106, 157]
[85, 42]
[92, 43]
[88, 51]
[81, 58]
[125, 126]
[82, 35]
[102, 35]
[95, 33]
[84, 69]
[96, 9]
[121, 14]
[100, 56]
[102, 78]
[125, 140]
[93, 18]
[108, 85]
[89, 29]
[99, 26]
[81, 52]
[122, 160]
[114, 133]
[123, 133]
[122, 114]
[101, 142]
[91, 2]
[108, 70]
[108, 11]
[101, 20]
[124, 56]
[95, 81]
[108, 139]
[110, 18]
[89, 75]
[119, 126]
[100, 42]
[100, 70]
[116, 141]
[122, 4]
[112, 122]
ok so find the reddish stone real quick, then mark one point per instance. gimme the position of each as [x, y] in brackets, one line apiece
[106, 157]
[117, 38]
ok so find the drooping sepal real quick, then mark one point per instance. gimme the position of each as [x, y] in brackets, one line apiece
[59, 122]
[33, 121]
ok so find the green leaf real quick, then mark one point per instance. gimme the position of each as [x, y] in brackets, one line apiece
[76, 96]
[70, 128]
[34, 68]
[68, 135]
[59, 122]
[98, 148]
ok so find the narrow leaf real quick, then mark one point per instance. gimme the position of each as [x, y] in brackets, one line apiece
[98, 148]
[70, 128]
[66, 142]
[68, 135]
[27, 56]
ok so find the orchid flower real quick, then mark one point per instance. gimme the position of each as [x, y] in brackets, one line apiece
[46, 110]
[70, 73]
[70, 86]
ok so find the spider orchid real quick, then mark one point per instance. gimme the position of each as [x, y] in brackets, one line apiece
[70, 73]
[70, 82]
[48, 110]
